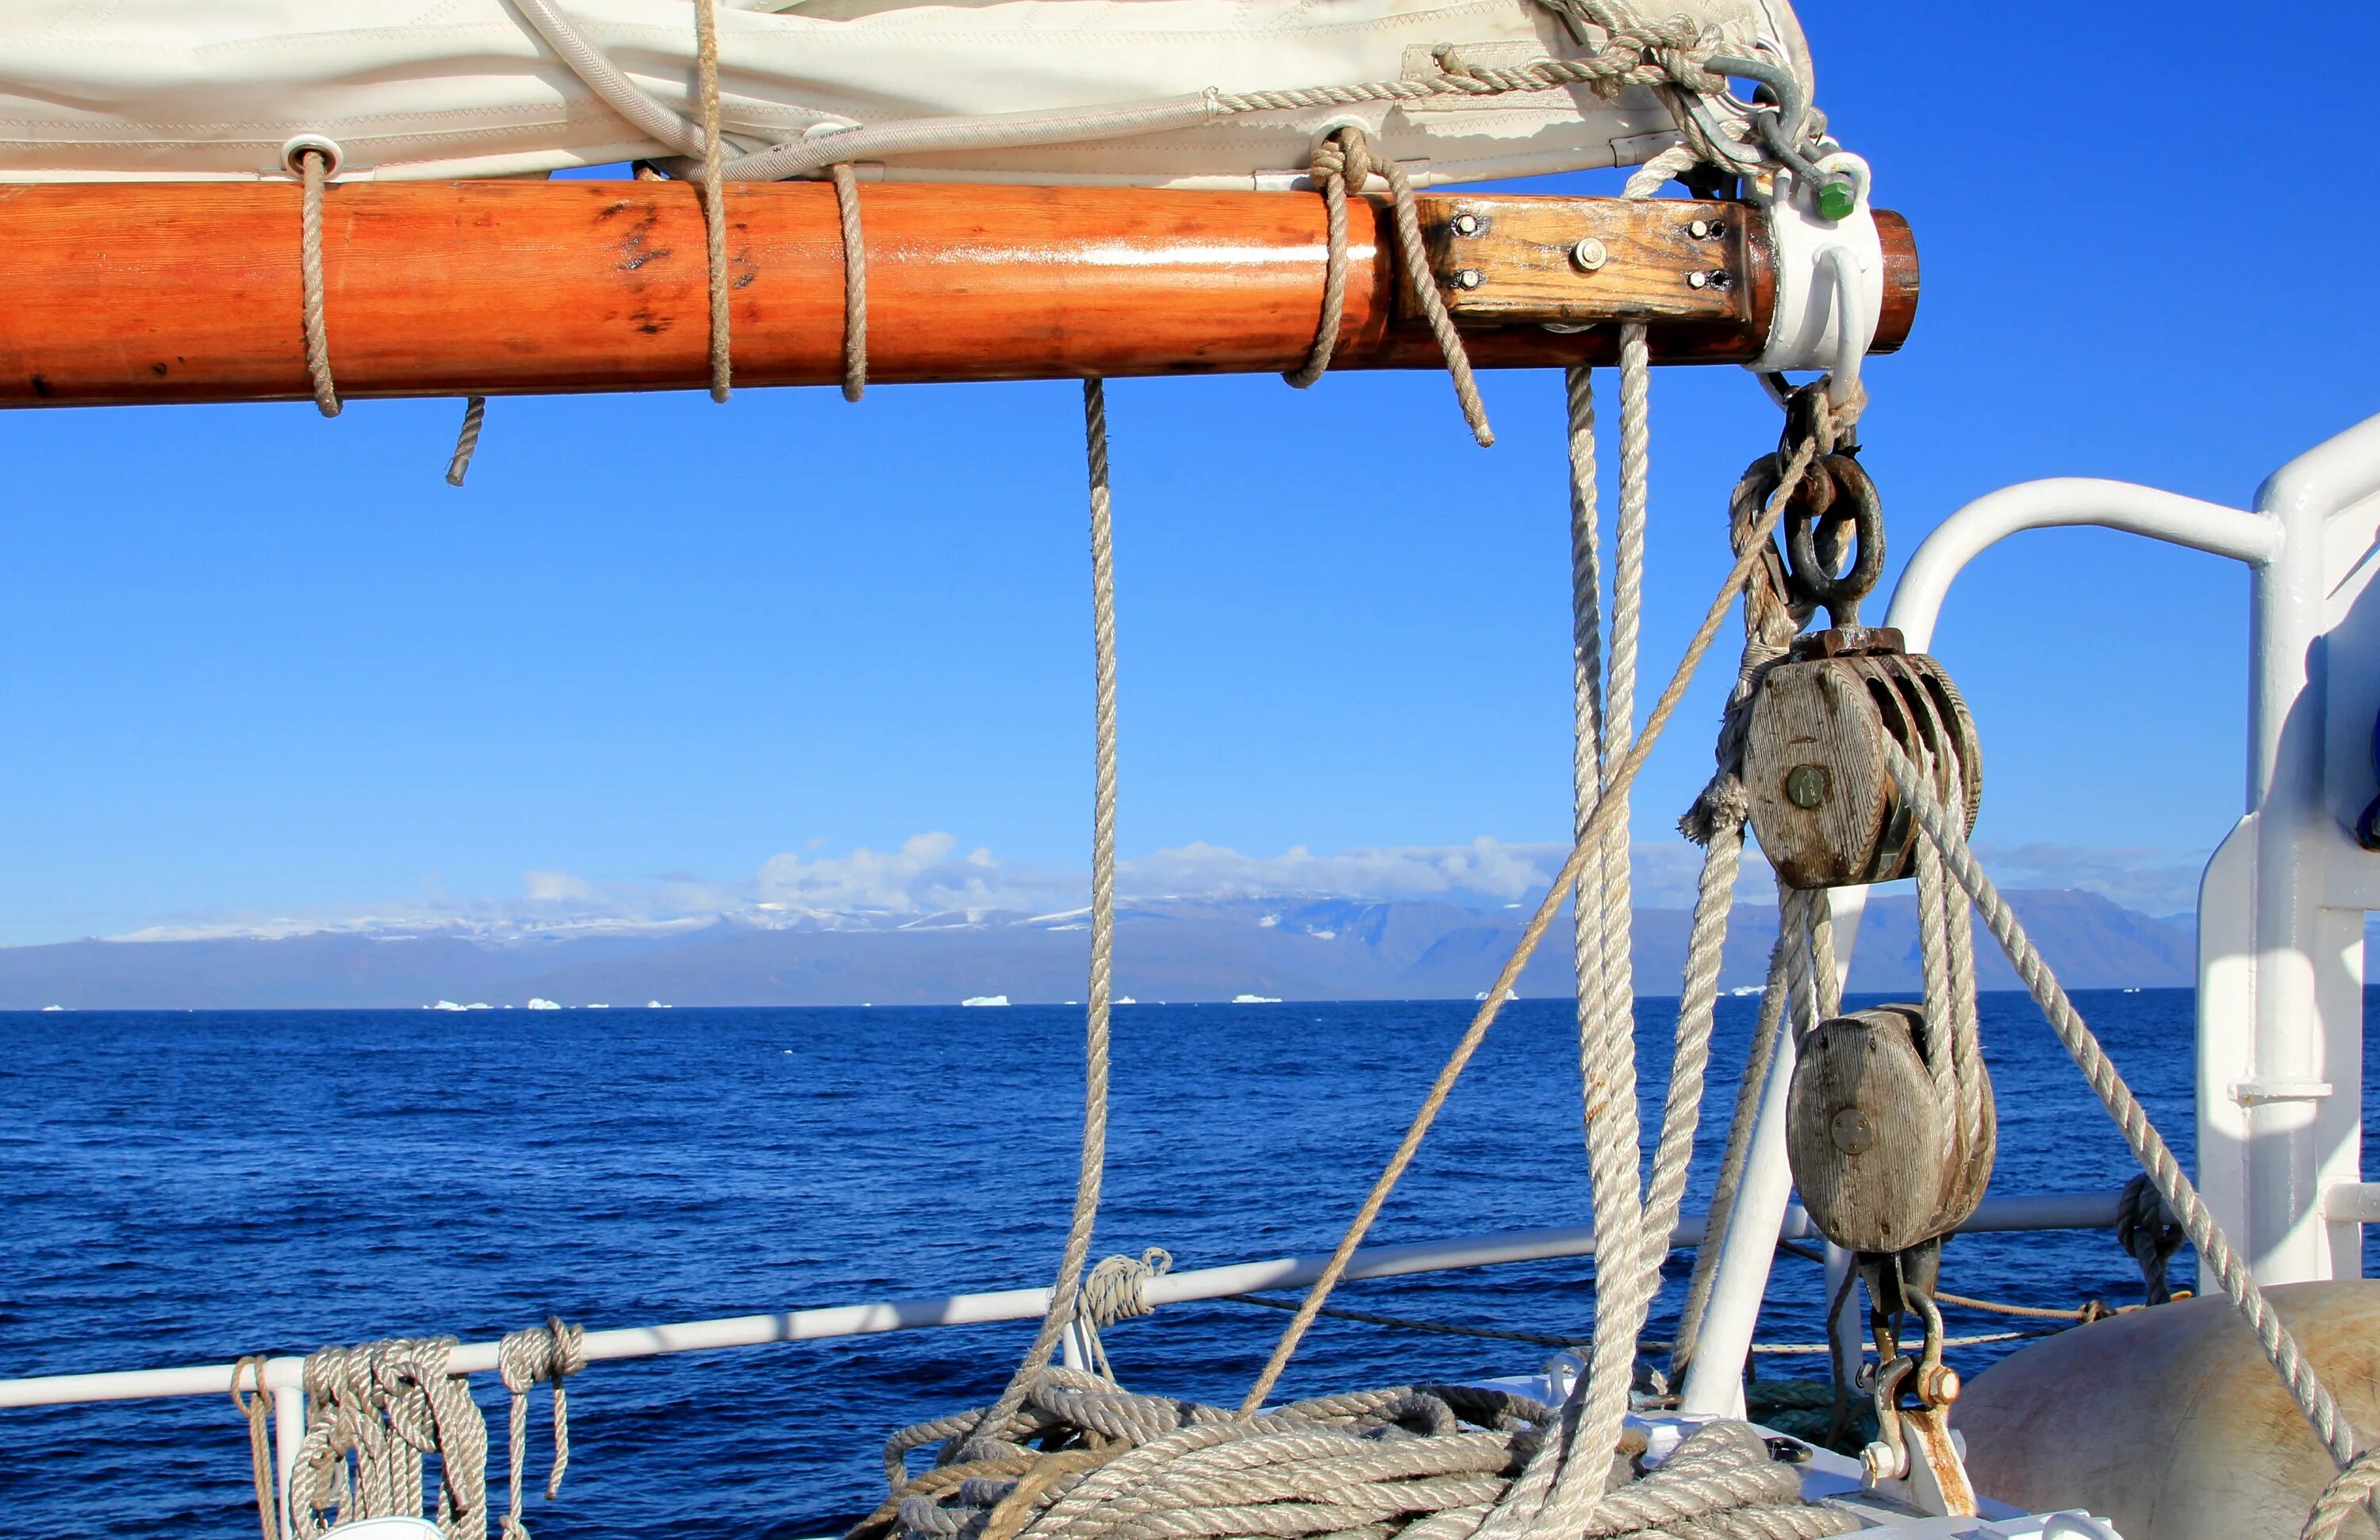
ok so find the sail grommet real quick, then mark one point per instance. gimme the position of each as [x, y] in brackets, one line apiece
[293, 154]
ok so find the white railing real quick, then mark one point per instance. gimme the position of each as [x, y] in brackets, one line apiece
[2077, 1211]
[286, 1373]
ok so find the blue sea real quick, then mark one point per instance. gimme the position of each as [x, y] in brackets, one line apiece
[189, 1187]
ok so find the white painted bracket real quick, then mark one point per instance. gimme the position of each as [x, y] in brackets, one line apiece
[1811, 327]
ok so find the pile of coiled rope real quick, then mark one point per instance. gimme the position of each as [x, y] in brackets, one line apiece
[1084, 1460]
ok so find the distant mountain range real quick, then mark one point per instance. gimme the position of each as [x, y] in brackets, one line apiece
[1169, 950]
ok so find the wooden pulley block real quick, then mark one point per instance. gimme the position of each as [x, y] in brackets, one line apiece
[1822, 803]
[1881, 1164]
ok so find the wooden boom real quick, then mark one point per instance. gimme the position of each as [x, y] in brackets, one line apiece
[181, 292]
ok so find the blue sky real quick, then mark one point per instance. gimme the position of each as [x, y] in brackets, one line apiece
[255, 664]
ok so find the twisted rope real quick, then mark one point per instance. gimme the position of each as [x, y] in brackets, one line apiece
[1421, 1462]
[2353, 1487]
[1738, 1152]
[257, 1407]
[1116, 1291]
[467, 441]
[854, 282]
[551, 1353]
[714, 194]
[314, 171]
[1095, 1036]
[382, 1406]
[1622, 775]
[1328, 172]
[2148, 1146]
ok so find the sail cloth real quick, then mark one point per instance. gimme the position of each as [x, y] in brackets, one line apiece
[418, 89]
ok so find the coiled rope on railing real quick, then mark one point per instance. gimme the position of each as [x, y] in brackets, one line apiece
[372, 1413]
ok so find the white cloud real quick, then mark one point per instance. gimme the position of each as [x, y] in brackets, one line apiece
[927, 879]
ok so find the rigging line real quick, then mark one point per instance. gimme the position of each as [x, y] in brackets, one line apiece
[1625, 774]
[2148, 1146]
[314, 170]
[466, 440]
[256, 1406]
[854, 281]
[714, 200]
[1095, 1035]
[1328, 171]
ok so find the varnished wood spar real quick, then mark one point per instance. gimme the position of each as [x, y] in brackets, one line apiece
[189, 291]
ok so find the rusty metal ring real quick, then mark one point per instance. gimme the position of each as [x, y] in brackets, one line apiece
[1810, 577]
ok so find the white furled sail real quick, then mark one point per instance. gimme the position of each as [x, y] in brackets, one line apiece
[1132, 92]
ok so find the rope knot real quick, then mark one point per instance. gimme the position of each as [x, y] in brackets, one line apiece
[552, 1352]
[2145, 1230]
[1114, 1291]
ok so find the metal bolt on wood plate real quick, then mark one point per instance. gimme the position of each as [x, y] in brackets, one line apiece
[1806, 785]
[1590, 254]
[1469, 278]
[1700, 229]
[1467, 224]
[1697, 279]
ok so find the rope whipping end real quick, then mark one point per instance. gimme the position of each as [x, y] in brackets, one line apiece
[467, 441]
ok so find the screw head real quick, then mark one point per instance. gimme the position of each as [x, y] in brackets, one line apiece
[1469, 278]
[1836, 200]
[1943, 1386]
[1467, 224]
[1877, 1463]
[1590, 254]
[1854, 1132]
[1806, 785]
[1697, 279]
[1700, 229]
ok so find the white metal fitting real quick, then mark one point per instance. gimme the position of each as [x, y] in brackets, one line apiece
[319, 144]
[1815, 325]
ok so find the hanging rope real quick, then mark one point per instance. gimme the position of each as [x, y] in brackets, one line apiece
[1095, 1036]
[2164, 1173]
[1328, 171]
[1622, 775]
[257, 1407]
[854, 281]
[372, 1413]
[714, 192]
[550, 1354]
[1342, 163]
[467, 441]
[314, 172]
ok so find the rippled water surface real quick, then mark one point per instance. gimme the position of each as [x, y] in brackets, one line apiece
[186, 1188]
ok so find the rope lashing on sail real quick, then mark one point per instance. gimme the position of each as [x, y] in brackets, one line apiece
[1669, 54]
[1092, 1166]
[2164, 1173]
[1084, 1460]
[1335, 157]
[854, 281]
[372, 1411]
[551, 1354]
[313, 167]
[1343, 161]
[257, 1408]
